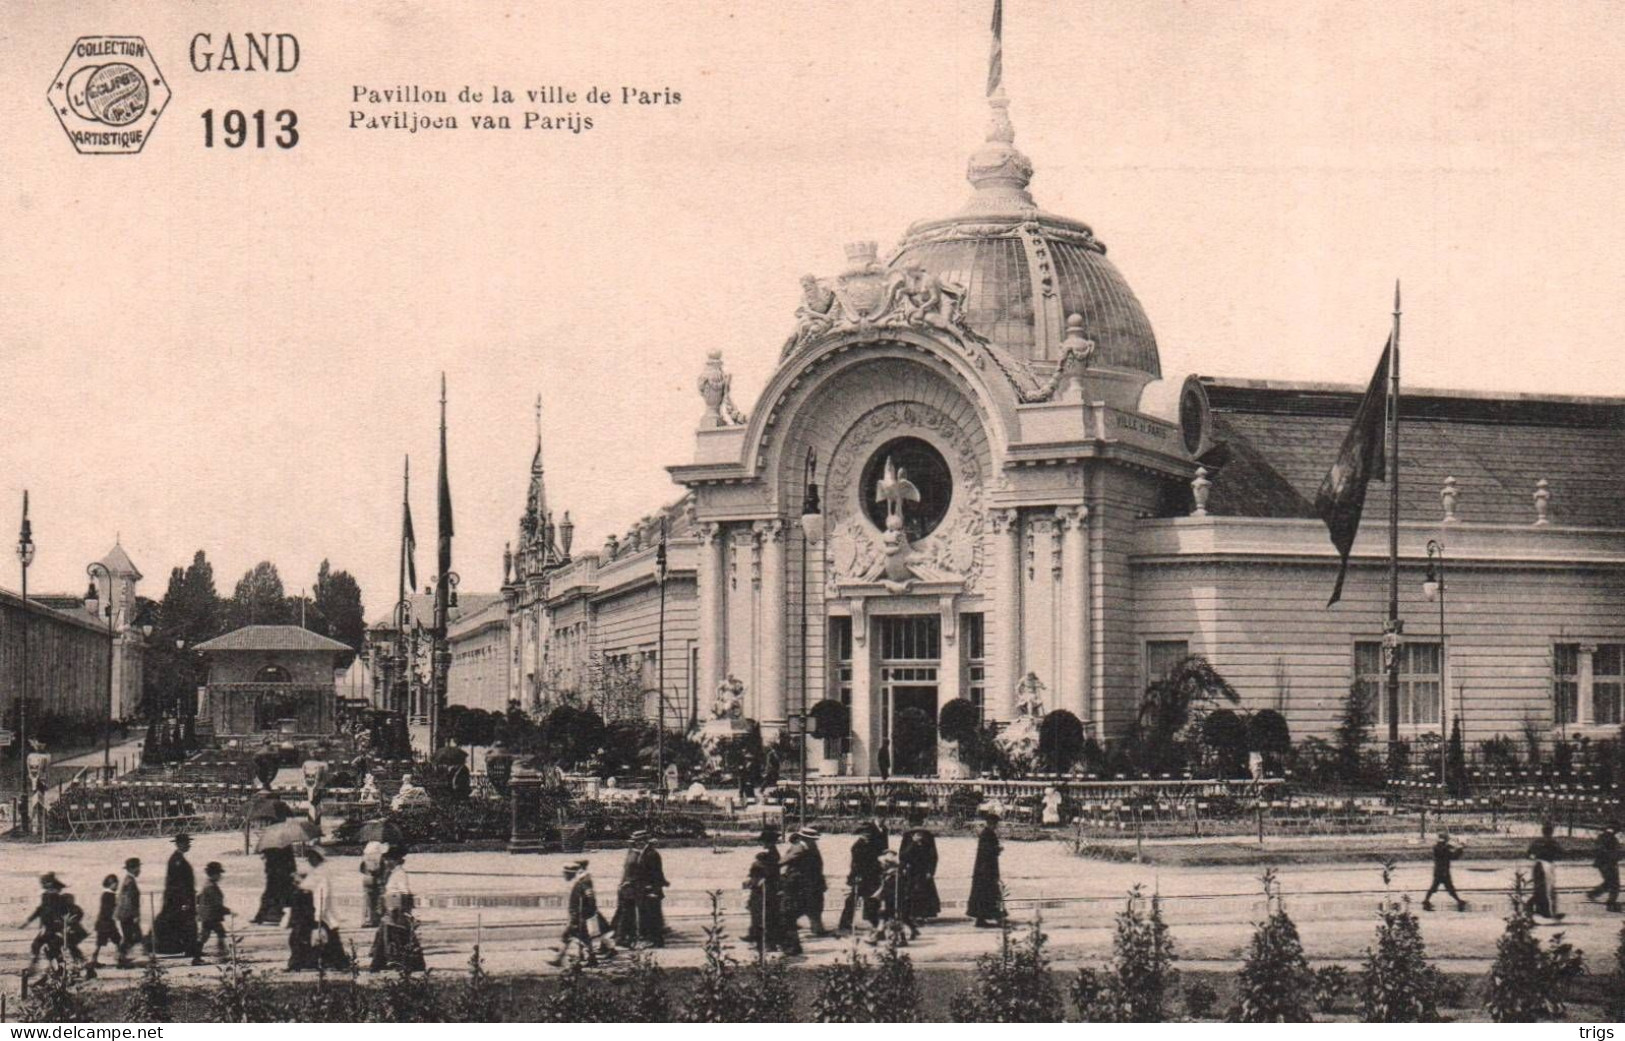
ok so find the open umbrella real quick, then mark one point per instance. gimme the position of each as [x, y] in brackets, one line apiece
[381, 830]
[292, 832]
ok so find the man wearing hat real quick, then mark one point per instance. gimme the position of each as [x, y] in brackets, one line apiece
[626, 925]
[1443, 853]
[174, 930]
[1607, 864]
[863, 876]
[127, 910]
[651, 892]
[211, 912]
[804, 884]
[770, 927]
[986, 903]
[586, 926]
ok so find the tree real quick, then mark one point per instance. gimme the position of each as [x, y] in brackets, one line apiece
[1225, 735]
[1398, 983]
[1456, 760]
[1060, 740]
[1136, 986]
[189, 613]
[1275, 983]
[715, 997]
[55, 997]
[1527, 982]
[152, 998]
[338, 606]
[1268, 734]
[1186, 694]
[857, 991]
[1012, 985]
[957, 720]
[1353, 732]
[259, 598]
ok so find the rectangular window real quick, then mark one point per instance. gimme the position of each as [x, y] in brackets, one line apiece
[840, 650]
[1565, 684]
[1607, 684]
[972, 632]
[1161, 656]
[1419, 681]
[910, 637]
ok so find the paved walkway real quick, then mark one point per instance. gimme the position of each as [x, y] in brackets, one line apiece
[513, 905]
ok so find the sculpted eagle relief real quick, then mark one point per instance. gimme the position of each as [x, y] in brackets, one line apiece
[955, 546]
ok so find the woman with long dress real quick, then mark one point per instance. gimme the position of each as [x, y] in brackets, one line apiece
[1545, 852]
[174, 929]
[325, 939]
[281, 879]
[917, 858]
[396, 942]
[986, 903]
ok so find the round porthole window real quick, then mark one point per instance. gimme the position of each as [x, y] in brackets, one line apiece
[918, 463]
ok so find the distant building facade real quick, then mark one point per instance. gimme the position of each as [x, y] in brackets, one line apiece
[1017, 509]
[272, 680]
[70, 650]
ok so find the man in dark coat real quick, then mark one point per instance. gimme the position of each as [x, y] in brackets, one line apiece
[1443, 853]
[804, 883]
[863, 876]
[651, 894]
[884, 760]
[211, 912]
[770, 928]
[1607, 864]
[586, 925]
[174, 930]
[986, 903]
[917, 858]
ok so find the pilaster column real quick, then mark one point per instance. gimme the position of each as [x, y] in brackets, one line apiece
[953, 654]
[770, 700]
[1074, 614]
[865, 721]
[1006, 664]
[713, 609]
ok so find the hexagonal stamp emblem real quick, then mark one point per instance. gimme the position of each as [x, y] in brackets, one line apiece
[108, 95]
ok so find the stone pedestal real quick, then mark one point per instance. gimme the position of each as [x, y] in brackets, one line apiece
[527, 830]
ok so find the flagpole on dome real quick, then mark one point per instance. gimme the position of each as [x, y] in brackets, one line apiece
[1394, 627]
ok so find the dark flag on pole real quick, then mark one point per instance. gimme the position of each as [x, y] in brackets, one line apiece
[1341, 497]
[409, 545]
[995, 58]
[445, 490]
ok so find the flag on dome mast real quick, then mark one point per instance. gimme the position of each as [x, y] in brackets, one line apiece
[1362, 457]
[995, 57]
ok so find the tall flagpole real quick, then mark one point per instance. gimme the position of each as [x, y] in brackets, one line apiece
[1392, 631]
[396, 702]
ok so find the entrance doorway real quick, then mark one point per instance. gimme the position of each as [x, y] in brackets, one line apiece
[910, 655]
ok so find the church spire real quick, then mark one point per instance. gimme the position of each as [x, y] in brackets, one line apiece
[998, 170]
[539, 541]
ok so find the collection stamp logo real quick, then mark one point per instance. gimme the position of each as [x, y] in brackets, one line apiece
[108, 94]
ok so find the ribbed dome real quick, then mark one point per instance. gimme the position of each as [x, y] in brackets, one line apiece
[1024, 270]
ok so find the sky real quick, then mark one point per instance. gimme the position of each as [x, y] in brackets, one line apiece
[233, 350]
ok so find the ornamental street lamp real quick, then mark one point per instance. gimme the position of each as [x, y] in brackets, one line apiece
[25, 556]
[1433, 589]
[812, 530]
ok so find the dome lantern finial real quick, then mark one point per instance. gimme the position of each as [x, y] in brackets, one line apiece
[998, 170]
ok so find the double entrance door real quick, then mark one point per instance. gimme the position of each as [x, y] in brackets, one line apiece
[910, 657]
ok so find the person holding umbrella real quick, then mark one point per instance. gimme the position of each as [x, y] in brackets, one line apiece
[276, 847]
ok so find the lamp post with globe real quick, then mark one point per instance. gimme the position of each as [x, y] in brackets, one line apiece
[1433, 589]
[812, 530]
